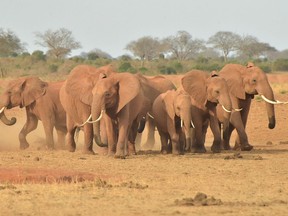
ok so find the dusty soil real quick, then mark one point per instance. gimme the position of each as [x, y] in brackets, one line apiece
[41, 182]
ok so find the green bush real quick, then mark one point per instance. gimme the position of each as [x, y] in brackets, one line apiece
[167, 70]
[38, 55]
[281, 65]
[126, 67]
[143, 69]
[53, 68]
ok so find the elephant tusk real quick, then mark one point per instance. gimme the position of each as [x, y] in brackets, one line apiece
[3, 108]
[182, 123]
[98, 119]
[238, 110]
[270, 101]
[193, 126]
[150, 115]
[86, 121]
[226, 110]
[281, 102]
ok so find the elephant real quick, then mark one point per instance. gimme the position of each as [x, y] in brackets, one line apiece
[41, 101]
[152, 87]
[76, 98]
[173, 120]
[206, 91]
[121, 97]
[244, 82]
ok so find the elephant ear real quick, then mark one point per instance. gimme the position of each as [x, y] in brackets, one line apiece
[129, 88]
[233, 74]
[194, 83]
[32, 89]
[168, 100]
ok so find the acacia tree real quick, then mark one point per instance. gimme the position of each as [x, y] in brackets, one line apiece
[60, 43]
[225, 41]
[9, 43]
[250, 47]
[146, 48]
[182, 46]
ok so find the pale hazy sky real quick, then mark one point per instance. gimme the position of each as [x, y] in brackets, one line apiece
[110, 25]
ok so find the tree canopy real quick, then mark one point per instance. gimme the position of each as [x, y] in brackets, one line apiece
[60, 43]
[10, 44]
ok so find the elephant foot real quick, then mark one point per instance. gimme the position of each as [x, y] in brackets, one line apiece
[119, 156]
[216, 148]
[198, 149]
[246, 147]
[91, 152]
[131, 149]
[24, 146]
[71, 149]
[164, 152]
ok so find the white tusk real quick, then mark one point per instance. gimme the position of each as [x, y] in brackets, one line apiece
[3, 108]
[238, 110]
[98, 119]
[181, 123]
[281, 102]
[270, 101]
[150, 115]
[86, 121]
[193, 126]
[226, 109]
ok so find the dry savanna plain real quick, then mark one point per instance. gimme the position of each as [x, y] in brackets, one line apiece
[41, 182]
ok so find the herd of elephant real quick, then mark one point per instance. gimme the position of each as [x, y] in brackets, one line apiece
[112, 108]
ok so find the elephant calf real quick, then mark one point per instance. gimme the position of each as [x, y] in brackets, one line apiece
[172, 115]
[41, 101]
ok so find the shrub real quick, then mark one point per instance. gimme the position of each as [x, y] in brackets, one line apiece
[281, 65]
[126, 66]
[167, 70]
[38, 55]
[53, 68]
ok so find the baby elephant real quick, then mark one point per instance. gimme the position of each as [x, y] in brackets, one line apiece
[172, 115]
[41, 101]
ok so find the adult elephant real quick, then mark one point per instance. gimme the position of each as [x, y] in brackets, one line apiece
[244, 82]
[206, 91]
[172, 115]
[152, 87]
[121, 97]
[76, 98]
[41, 101]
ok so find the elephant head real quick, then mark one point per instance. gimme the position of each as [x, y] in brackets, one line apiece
[245, 81]
[110, 95]
[178, 105]
[21, 92]
[206, 88]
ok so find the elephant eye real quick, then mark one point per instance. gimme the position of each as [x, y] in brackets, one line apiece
[107, 94]
[254, 80]
[217, 92]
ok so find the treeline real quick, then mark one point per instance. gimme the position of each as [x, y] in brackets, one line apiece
[170, 55]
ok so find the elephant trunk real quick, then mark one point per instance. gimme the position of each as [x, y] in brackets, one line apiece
[227, 107]
[270, 108]
[97, 111]
[141, 125]
[5, 120]
[187, 125]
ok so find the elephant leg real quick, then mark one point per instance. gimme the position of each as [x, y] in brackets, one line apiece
[198, 145]
[30, 125]
[61, 133]
[70, 141]
[88, 139]
[164, 142]
[226, 141]
[242, 140]
[150, 125]
[216, 146]
[132, 138]
[48, 128]
[111, 136]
